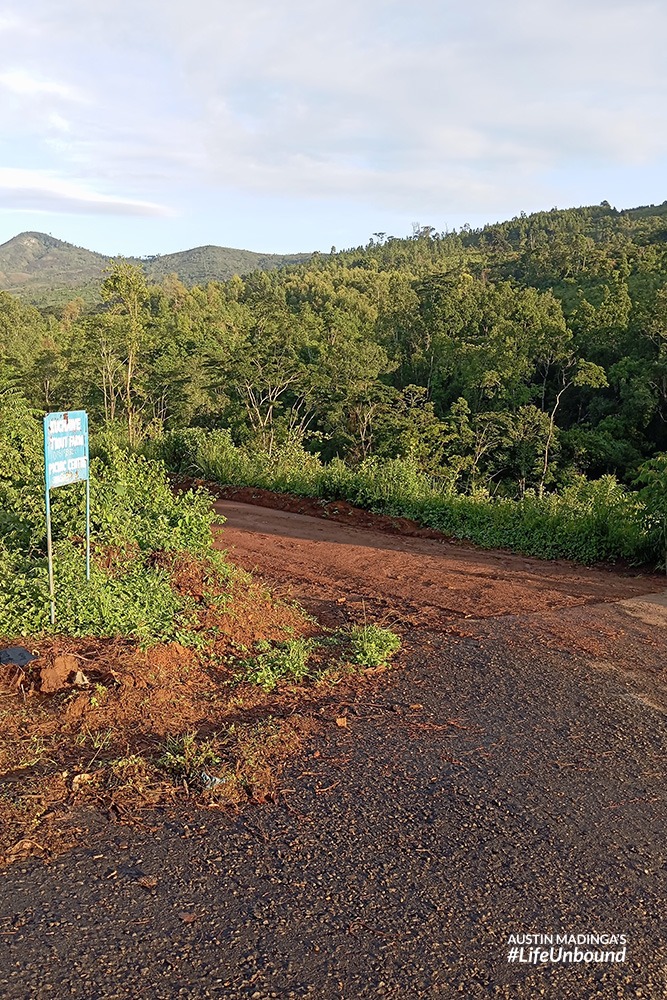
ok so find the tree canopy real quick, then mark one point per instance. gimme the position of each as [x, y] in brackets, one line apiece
[517, 356]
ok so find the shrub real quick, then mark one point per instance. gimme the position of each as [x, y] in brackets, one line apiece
[133, 511]
[590, 521]
[652, 477]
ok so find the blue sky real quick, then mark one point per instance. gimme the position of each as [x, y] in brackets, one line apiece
[150, 126]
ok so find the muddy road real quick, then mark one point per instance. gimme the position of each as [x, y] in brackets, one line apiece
[508, 779]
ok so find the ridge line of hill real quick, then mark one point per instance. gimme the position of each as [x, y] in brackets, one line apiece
[41, 269]
[33, 264]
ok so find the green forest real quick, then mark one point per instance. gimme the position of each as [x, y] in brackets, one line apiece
[505, 384]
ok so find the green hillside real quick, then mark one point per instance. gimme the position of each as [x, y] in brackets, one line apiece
[211, 263]
[45, 271]
[34, 265]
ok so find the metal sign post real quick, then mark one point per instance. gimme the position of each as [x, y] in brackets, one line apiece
[66, 460]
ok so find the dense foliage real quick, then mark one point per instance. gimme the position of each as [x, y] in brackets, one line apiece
[513, 362]
[588, 520]
[139, 530]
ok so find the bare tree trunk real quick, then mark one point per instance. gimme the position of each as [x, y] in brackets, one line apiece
[550, 435]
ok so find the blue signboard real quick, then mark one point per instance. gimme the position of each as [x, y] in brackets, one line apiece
[65, 448]
[66, 461]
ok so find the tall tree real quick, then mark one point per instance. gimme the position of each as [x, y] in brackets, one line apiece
[126, 291]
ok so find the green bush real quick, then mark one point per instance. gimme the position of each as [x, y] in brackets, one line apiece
[134, 514]
[652, 477]
[590, 521]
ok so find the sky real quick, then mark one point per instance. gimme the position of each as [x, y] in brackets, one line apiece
[151, 126]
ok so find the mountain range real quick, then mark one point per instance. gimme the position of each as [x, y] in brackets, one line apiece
[36, 266]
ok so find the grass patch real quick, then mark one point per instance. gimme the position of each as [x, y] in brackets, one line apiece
[133, 736]
[343, 652]
[185, 758]
[285, 662]
[372, 646]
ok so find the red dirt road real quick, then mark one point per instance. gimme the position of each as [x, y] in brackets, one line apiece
[614, 619]
[420, 581]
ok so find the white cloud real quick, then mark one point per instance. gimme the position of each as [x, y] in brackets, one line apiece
[20, 82]
[375, 99]
[8, 22]
[439, 106]
[59, 123]
[41, 191]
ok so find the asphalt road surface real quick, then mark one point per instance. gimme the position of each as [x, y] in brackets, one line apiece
[500, 782]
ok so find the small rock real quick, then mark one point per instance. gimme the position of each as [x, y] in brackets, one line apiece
[149, 882]
[81, 779]
[18, 656]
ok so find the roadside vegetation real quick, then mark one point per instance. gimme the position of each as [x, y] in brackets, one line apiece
[141, 534]
[506, 385]
[588, 520]
[170, 673]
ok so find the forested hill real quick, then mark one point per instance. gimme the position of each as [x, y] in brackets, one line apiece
[212, 263]
[42, 269]
[34, 263]
[543, 248]
[512, 358]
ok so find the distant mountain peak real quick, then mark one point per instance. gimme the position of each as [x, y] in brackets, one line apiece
[33, 264]
[33, 239]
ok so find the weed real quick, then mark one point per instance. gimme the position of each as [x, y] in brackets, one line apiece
[102, 739]
[132, 770]
[360, 647]
[371, 645]
[33, 751]
[185, 757]
[99, 696]
[285, 661]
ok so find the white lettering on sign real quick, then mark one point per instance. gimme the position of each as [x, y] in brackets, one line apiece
[63, 426]
[66, 448]
[65, 441]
